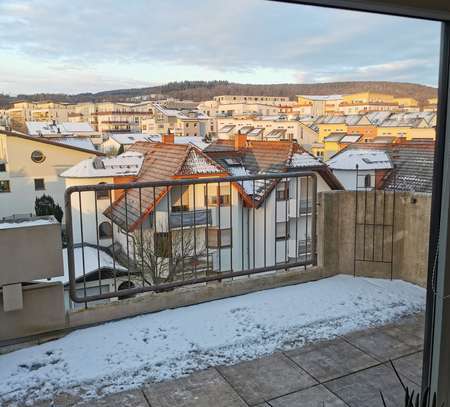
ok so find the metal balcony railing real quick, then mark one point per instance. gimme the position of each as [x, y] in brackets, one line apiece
[231, 230]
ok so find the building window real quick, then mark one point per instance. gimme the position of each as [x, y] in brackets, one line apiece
[37, 156]
[281, 232]
[2, 167]
[102, 194]
[163, 244]
[4, 186]
[219, 238]
[178, 197]
[220, 198]
[283, 191]
[105, 230]
[367, 181]
[39, 184]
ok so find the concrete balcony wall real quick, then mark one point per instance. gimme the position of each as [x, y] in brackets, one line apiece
[336, 234]
[30, 253]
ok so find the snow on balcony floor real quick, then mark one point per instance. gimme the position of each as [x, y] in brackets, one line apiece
[125, 354]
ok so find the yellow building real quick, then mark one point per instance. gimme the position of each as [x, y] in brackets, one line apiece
[407, 104]
[407, 129]
[431, 105]
[318, 104]
[363, 102]
[31, 167]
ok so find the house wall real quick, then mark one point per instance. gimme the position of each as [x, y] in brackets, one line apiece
[88, 201]
[21, 172]
[348, 178]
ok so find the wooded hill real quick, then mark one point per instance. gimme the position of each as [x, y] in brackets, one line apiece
[205, 90]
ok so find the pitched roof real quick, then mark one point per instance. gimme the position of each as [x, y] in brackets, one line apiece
[259, 157]
[161, 162]
[124, 165]
[369, 159]
[48, 128]
[44, 140]
[412, 163]
[413, 167]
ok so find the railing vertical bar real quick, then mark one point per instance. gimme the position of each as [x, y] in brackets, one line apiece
[276, 223]
[242, 236]
[265, 224]
[142, 238]
[374, 220]
[286, 202]
[383, 224]
[298, 211]
[365, 222]
[82, 248]
[113, 244]
[231, 229]
[253, 226]
[195, 229]
[169, 233]
[313, 223]
[219, 207]
[207, 229]
[98, 243]
[182, 233]
[308, 215]
[127, 236]
[152, 249]
[356, 222]
[393, 223]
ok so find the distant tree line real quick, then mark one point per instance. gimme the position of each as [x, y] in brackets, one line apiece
[205, 90]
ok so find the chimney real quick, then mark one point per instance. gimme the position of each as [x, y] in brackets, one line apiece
[240, 140]
[168, 138]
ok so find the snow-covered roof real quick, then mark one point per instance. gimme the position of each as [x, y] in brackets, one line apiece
[126, 164]
[79, 142]
[49, 129]
[378, 117]
[184, 114]
[194, 140]
[131, 138]
[351, 138]
[321, 97]
[302, 160]
[366, 159]
[91, 263]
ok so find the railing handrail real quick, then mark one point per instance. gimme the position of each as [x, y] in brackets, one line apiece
[187, 181]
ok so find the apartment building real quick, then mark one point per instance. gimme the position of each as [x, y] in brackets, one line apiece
[409, 126]
[191, 123]
[317, 105]
[30, 167]
[266, 100]
[274, 127]
[364, 102]
[115, 117]
[431, 105]
[407, 104]
[242, 106]
[45, 111]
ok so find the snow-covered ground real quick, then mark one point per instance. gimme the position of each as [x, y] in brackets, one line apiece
[125, 354]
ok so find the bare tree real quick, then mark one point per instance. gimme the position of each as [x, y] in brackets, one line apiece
[168, 256]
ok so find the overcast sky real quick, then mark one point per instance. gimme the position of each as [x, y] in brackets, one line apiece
[76, 46]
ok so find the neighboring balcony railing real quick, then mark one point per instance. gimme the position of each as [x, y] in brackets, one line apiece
[191, 218]
[235, 230]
